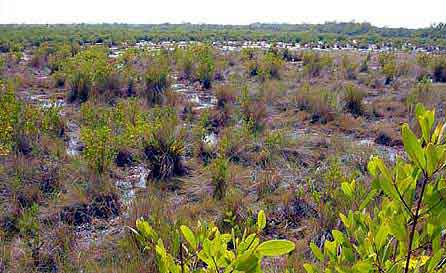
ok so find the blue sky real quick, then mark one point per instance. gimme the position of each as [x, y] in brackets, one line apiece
[394, 13]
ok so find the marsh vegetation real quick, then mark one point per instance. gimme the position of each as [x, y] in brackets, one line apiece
[123, 155]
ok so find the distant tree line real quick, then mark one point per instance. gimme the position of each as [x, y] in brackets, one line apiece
[15, 37]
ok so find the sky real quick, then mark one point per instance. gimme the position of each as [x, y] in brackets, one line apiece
[390, 13]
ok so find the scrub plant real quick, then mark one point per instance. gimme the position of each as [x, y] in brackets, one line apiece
[270, 66]
[209, 250]
[399, 226]
[205, 66]
[156, 79]
[99, 147]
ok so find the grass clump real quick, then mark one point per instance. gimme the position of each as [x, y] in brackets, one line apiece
[164, 145]
[89, 73]
[353, 97]
[156, 80]
[219, 169]
[253, 111]
[439, 69]
[314, 63]
[349, 68]
[269, 66]
[205, 66]
[321, 103]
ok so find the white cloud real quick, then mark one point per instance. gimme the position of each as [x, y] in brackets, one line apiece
[378, 12]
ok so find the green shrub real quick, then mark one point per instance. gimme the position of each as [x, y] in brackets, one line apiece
[8, 118]
[273, 143]
[253, 111]
[205, 64]
[349, 68]
[185, 62]
[421, 93]
[424, 60]
[157, 79]
[23, 125]
[269, 66]
[252, 67]
[364, 67]
[40, 56]
[81, 86]
[235, 144]
[208, 250]
[389, 70]
[320, 102]
[314, 63]
[58, 57]
[402, 230]
[99, 148]
[247, 54]
[385, 58]
[87, 72]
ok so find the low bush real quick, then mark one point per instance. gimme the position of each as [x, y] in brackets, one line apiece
[364, 66]
[185, 63]
[23, 126]
[349, 68]
[269, 66]
[252, 67]
[389, 70]
[225, 95]
[205, 65]
[236, 144]
[319, 102]
[253, 111]
[397, 227]
[89, 72]
[314, 63]
[81, 87]
[156, 80]
[439, 69]
[99, 148]
[424, 59]
[209, 250]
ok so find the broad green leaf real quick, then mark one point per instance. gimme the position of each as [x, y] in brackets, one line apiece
[431, 159]
[442, 135]
[363, 266]
[189, 236]
[247, 263]
[345, 220]
[317, 252]
[347, 189]
[330, 248]
[412, 146]
[310, 268]
[381, 236]
[426, 120]
[367, 200]
[435, 260]
[145, 229]
[436, 133]
[338, 236]
[261, 220]
[398, 229]
[275, 248]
